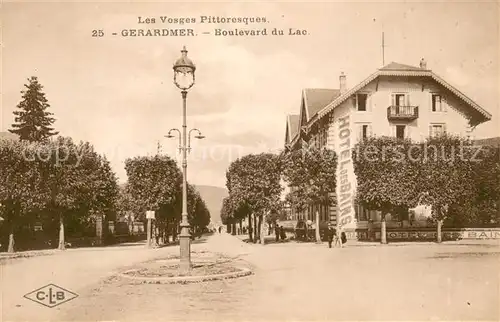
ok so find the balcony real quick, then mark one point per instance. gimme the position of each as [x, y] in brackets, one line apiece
[402, 113]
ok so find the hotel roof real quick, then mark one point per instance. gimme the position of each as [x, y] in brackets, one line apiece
[315, 99]
[293, 124]
[397, 69]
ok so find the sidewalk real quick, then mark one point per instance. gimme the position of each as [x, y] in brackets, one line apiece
[357, 243]
[44, 252]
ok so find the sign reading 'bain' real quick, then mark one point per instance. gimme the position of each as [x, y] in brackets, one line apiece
[447, 235]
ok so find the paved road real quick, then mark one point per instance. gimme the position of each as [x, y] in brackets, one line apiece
[73, 269]
[291, 282]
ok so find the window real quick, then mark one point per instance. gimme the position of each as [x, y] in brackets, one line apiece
[400, 131]
[361, 100]
[399, 100]
[436, 103]
[437, 129]
[364, 131]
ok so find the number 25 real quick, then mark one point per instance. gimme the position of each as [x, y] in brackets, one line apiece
[97, 33]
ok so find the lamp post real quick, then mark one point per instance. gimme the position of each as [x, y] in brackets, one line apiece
[184, 80]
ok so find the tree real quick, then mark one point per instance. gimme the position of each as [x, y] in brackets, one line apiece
[446, 176]
[311, 172]
[101, 199]
[77, 183]
[154, 183]
[253, 182]
[127, 207]
[387, 172]
[201, 217]
[227, 212]
[32, 120]
[20, 184]
[198, 214]
[483, 208]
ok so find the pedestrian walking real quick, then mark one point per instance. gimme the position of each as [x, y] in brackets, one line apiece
[282, 233]
[343, 238]
[331, 232]
[336, 239]
[277, 232]
[220, 229]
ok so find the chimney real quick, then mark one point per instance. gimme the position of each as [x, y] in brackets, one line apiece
[423, 64]
[342, 82]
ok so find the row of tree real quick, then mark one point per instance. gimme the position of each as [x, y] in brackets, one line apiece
[255, 181]
[458, 180]
[155, 183]
[54, 181]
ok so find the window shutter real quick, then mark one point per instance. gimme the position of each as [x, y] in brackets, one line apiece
[369, 130]
[393, 130]
[430, 130]
[444, 105]
[407, 132]
[393, 100]
[360, 132]
[444, 128]
[407, 96]
[355, 101]
[369, 108]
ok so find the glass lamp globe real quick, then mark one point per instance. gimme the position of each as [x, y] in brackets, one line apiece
[184, 71]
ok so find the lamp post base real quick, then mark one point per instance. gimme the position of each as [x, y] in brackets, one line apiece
[185, 246]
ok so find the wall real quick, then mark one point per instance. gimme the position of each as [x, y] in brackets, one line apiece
[419, 90]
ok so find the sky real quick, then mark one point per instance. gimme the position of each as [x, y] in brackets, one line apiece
[118, 93]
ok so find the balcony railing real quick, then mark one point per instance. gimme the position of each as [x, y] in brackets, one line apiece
[402, 112]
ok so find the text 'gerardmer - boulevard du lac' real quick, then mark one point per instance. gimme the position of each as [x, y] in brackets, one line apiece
[226, 26]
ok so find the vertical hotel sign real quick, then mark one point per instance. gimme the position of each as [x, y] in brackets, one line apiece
[345, 174]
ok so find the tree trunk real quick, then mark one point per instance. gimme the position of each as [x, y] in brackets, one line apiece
[62, 245]
[11, 240]
[262, 234]
[250, 230]
[439, 238]
[167, 233]
[256, 236]
[383, 231]
[174, 231]
[318, 235]
[233, 229]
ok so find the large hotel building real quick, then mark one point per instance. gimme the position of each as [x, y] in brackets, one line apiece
[396, 100]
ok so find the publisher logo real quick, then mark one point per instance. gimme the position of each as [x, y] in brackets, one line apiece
[51, 295]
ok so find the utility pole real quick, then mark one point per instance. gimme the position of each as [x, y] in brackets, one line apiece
[158, 148]
[383, 50]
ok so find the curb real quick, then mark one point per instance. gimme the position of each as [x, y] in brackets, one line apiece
[7, 256]
[243, 271]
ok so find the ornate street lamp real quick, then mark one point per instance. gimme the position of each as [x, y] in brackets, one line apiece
[184, 80]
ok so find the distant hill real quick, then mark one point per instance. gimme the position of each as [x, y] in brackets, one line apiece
[488, 141]
[7, 135]
[213, 198]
